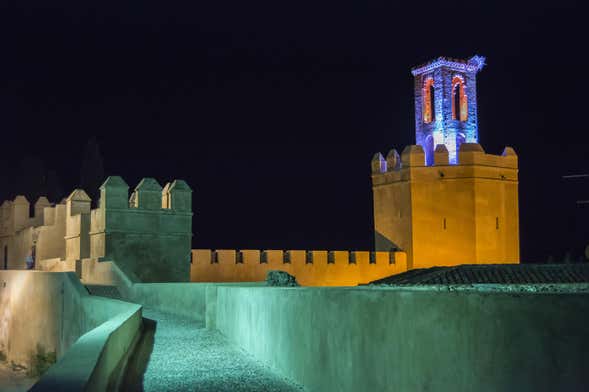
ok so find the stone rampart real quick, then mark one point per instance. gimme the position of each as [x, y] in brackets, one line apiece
[472, 162]
[310, 267]
[19, 231]
[446, 213]
[46, 317]
[148, 233]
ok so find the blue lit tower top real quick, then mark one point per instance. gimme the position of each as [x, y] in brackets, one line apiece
[446, 104]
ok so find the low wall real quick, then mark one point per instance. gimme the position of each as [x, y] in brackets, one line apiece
[190, 300]
[369, 339]
[39, 312]
[311, 268]
[93, 363]
[51, 315]
[182, 299]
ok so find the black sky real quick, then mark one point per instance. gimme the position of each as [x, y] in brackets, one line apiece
[272, 110]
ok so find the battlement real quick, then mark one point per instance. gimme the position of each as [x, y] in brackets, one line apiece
[147, 195]
[310, 267]
[15, 214]
[472, 162]
[447, 213]
[149, 209]
[22, 234]
[149, 230]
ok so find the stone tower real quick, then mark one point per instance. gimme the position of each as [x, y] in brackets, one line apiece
[445, 201]
[148, 234]
[446, 104]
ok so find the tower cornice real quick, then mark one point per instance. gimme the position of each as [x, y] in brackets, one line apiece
[474, 64]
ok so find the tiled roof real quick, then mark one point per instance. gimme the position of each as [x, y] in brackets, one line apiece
[492, 273]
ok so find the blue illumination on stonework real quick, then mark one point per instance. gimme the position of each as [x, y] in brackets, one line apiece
[454, 117]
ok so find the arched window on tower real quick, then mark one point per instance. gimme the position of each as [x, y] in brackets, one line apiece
[459, 101]
[429, 114]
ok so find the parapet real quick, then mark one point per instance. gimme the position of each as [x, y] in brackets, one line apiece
[277, 256]
[469, 154]
[310, 267]
[166, 196]
[20, 208]
[180, 196]
[20, 200]
[15, 214]
[473, 161]
[42, 202]
[148, 233]
[114, 193]
[393, 160]
[148, 195]
[413, 155]
[441, 155]
[378, 164]
[473, 154]
[78, 202]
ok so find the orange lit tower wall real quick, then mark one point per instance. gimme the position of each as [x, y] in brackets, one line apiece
[447, 214]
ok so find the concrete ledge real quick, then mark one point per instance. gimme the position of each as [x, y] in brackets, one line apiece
[195, 301]
[89, 364]
[108, 329]
[189, 300]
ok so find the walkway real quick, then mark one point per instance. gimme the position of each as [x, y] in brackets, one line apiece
[177, 354]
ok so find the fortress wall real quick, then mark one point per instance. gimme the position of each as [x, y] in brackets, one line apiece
[46, 229]
[40, 310]
[148, 233]
[311, 268]
[447, 214]
[31, 314]
[50, 243]
[52, 313]
[19, 245]
[404, 339]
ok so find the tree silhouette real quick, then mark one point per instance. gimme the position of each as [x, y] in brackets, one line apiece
[54, 190]
[33, 180]
[92, 170]
[30, 180]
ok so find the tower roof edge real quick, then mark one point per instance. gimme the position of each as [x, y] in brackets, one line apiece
[473, 64]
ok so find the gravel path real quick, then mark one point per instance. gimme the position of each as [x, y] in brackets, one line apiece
[183, 356]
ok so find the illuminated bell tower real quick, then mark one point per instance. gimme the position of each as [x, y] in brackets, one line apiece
[446, 104]
[445, 201]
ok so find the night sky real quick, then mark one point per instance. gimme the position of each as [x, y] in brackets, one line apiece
[271, 111]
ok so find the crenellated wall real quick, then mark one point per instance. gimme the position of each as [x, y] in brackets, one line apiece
[77, 242]
[19, 231]
[149, 233]
[50, 244]
[310, 267]
[447, 214]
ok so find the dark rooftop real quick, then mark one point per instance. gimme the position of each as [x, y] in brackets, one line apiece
[493, 274]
